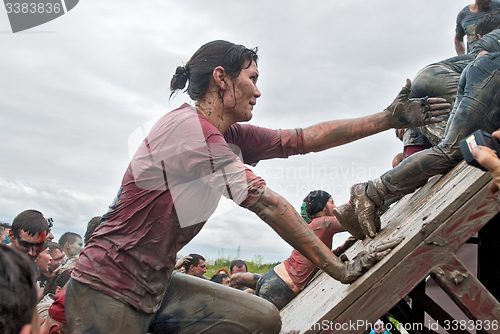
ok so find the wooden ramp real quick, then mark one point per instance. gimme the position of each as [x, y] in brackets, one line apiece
[435, 221]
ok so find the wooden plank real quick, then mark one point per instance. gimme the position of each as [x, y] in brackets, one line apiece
[469, 294]
[414, 217]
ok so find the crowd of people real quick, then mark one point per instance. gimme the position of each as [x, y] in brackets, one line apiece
[124, 275]
[34, 272]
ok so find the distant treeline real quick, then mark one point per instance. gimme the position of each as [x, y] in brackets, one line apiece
[224, 261]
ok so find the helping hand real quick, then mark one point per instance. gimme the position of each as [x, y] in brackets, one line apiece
[181, 261]
[367, 259]
[407, 113]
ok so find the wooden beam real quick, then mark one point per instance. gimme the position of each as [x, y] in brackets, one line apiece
[468, 293]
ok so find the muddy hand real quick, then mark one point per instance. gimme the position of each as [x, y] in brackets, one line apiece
[367, 259]
[489, 160]
[181, 261]
[407, 113]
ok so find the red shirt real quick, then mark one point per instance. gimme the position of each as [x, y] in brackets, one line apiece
[171, 187]
[300, 269]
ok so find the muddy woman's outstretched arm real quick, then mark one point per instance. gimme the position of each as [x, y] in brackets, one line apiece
[403, 112]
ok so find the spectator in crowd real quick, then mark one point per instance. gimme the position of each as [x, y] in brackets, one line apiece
[91, 226]
[195, 266]
[17, 293]
[54, 285]
[28, 233]
[221, 279]
[58, 256]
[7, 228]
[55, 323]
[2, 235]
[43, 262]
[379, 328]
[222, 271]
[238, 266]
[71, 244]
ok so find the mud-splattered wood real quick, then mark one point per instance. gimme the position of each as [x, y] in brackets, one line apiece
[433, 229]
[468, 293]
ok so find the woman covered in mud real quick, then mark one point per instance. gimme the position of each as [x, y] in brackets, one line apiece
[193, 155]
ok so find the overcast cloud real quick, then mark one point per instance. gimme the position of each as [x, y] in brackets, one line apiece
[74, 89]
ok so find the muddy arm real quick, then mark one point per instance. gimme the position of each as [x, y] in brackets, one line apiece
[329, 134]
[402, 112]
[282, 217]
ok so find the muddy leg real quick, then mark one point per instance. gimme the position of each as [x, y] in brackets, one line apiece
[192, 305]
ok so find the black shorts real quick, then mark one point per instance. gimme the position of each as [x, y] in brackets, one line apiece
[272, 288]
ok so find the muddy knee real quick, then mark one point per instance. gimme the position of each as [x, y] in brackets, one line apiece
[270, 319]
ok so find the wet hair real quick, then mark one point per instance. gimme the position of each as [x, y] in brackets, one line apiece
[17, 288]
[68, 237]
[198, 70]
[59, 280]
[316, 201]
[30, 221]
[91, 226]
[195, 261]
[239, 264]
[218, 278]
[487, 24]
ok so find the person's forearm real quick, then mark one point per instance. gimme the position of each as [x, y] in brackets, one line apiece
[329, 134]
[459, 47]
[282, 217]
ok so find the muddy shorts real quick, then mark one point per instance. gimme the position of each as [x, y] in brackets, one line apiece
[272, 288]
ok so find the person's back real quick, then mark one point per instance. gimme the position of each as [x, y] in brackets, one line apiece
[300, 269]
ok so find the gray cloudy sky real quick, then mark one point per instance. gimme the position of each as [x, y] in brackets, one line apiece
[74, 89]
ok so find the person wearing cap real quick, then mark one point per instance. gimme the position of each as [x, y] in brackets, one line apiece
[282, 283]
[56, 321]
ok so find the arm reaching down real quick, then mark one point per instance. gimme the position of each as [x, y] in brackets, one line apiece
[282, 217]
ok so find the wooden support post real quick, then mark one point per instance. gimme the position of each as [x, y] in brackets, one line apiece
[469, 294]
